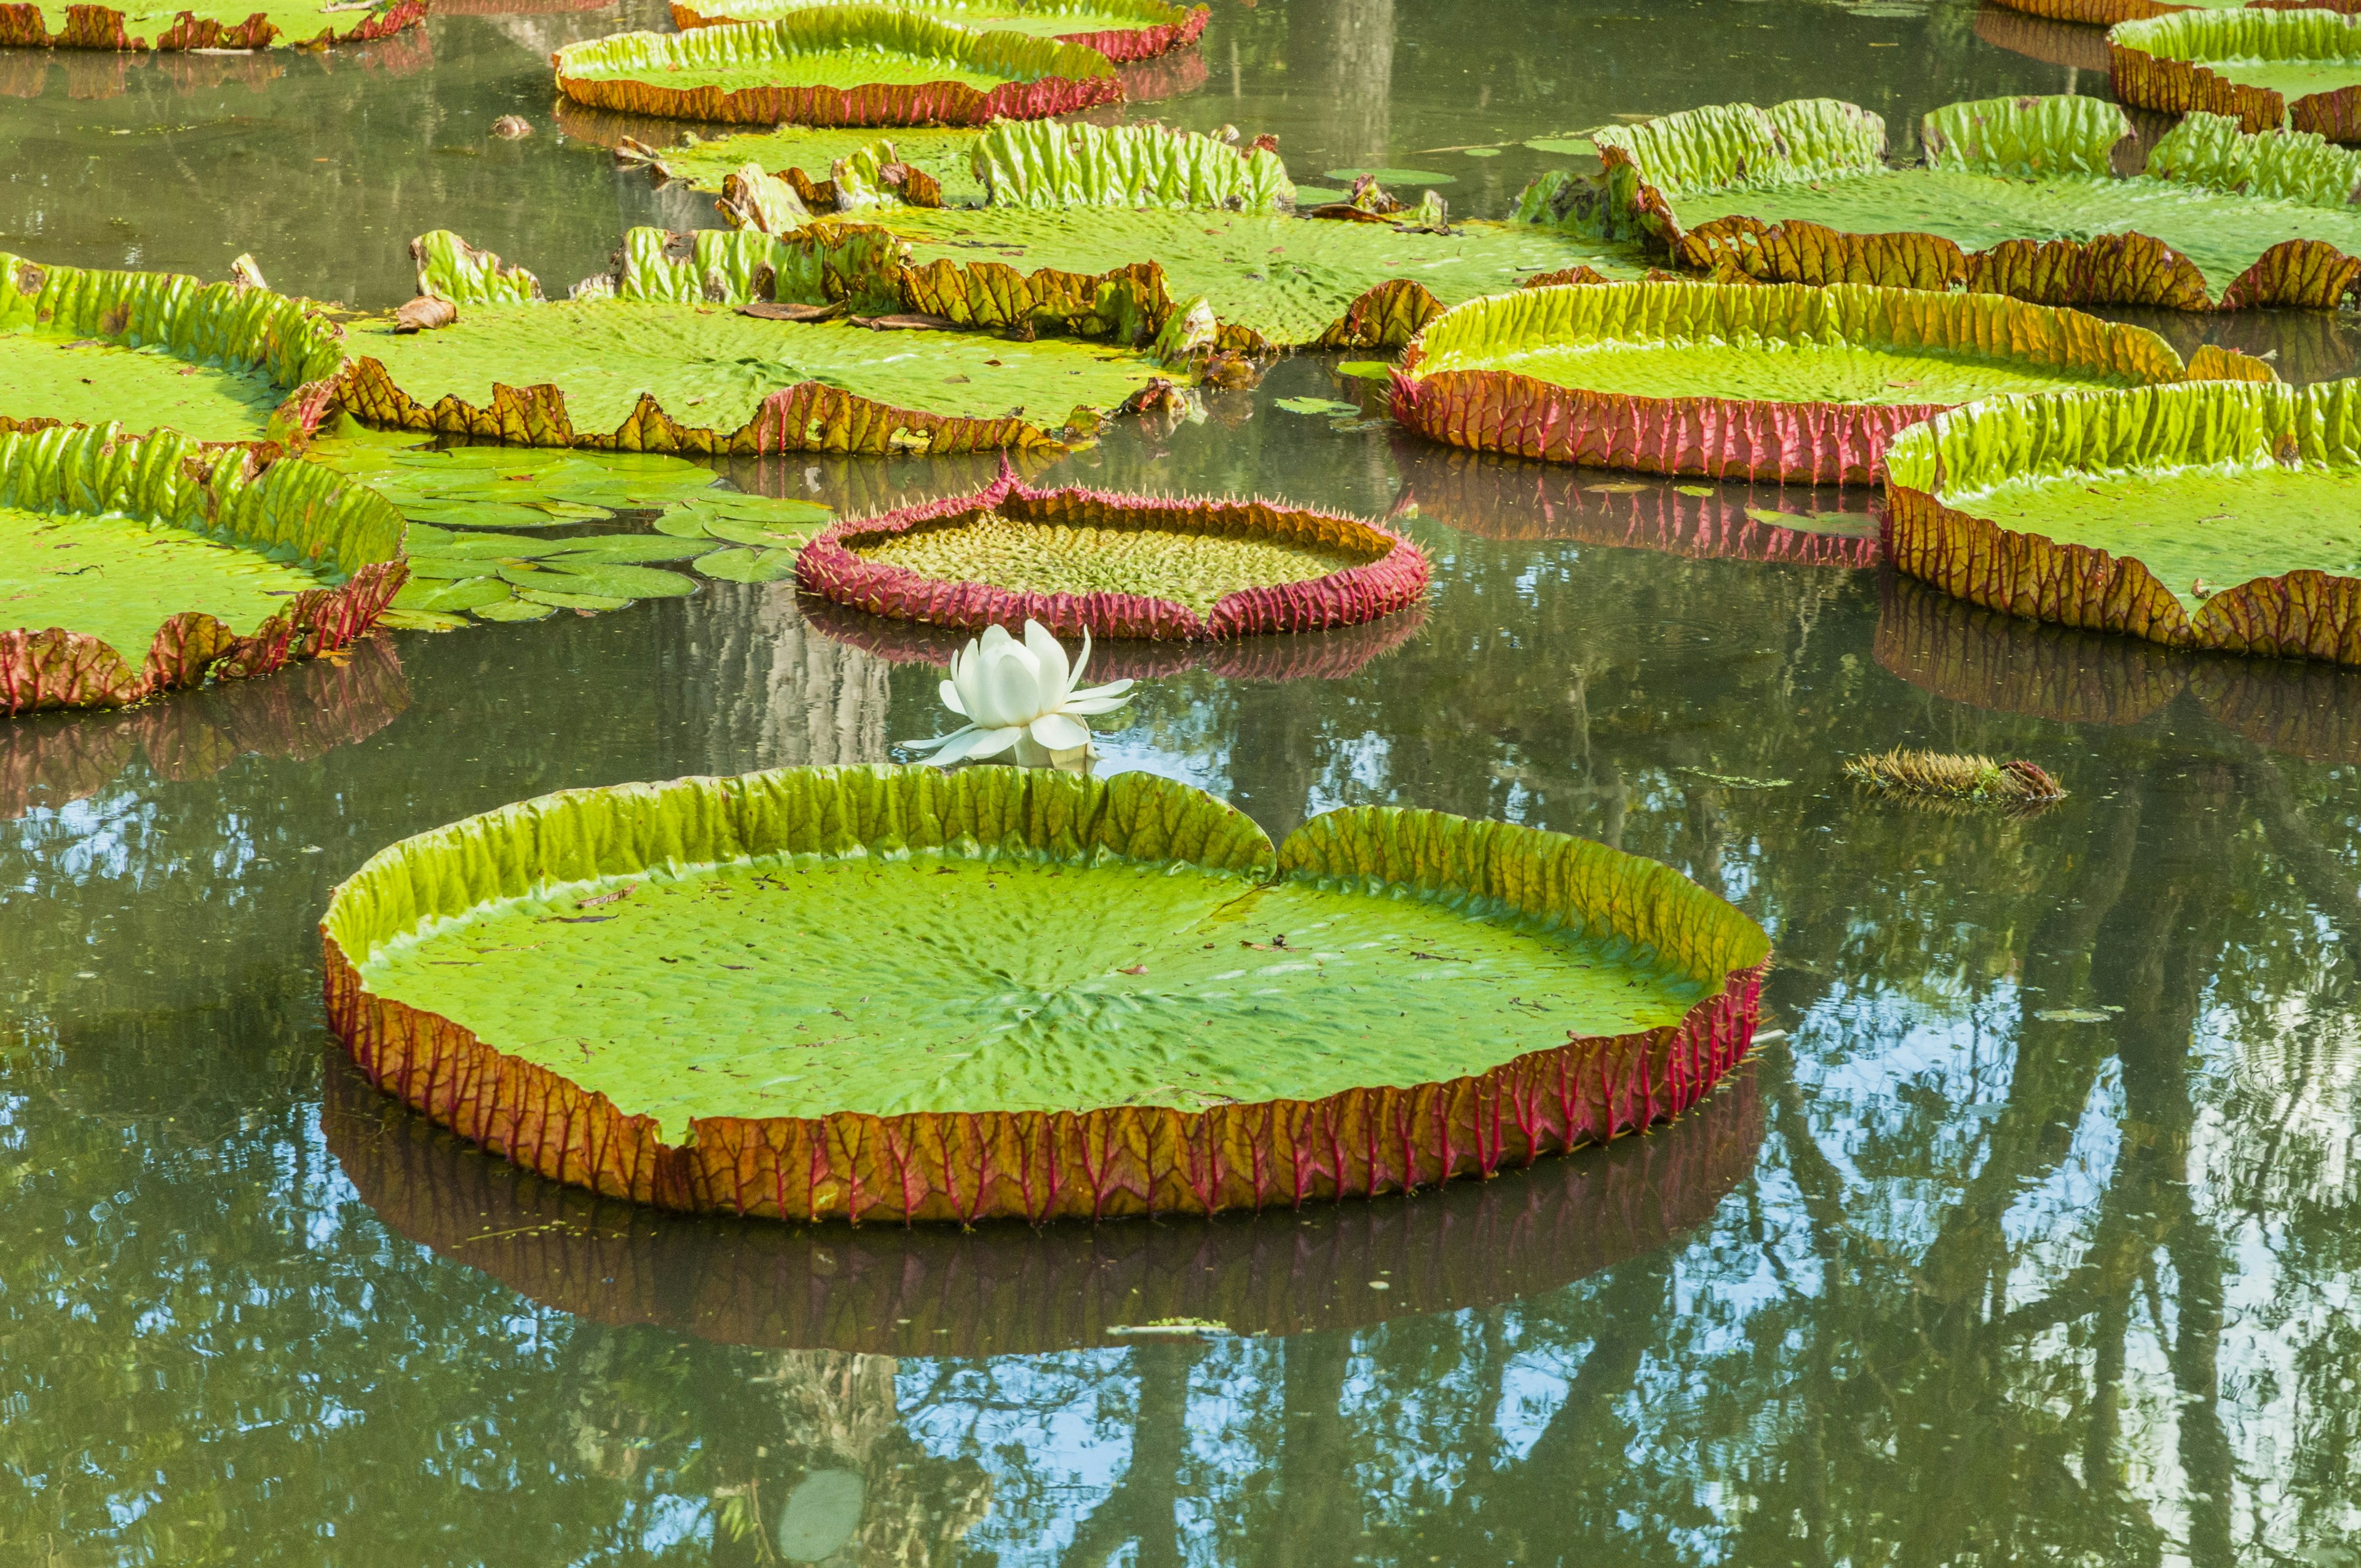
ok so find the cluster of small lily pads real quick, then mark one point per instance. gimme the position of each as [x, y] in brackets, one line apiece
[483, 535]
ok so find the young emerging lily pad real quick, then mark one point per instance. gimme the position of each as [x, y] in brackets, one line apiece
[626, 980]
[2266, 68]
[206, 25]
[135, 565]
[216, 362]
[940, 1291]
[1123, 30]
[2209, 516]
[2018, 196]
[837, 65]
[1078, 560]
[1777, 382]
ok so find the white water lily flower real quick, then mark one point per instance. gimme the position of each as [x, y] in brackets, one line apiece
[1021, 695]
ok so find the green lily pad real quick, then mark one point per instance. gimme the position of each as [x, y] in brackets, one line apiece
[752, 533]
[619, 549]
[1570, 147]
[481, 514]
[603, 581]
[1315, 406]
[940, 151]
[738, 506]
[399, 620]
[229, 26]
[742, 949]
[1122, 29]
[749, 565]
[469, 593]
[1309, 196]
[1999, 172]
[2298, 67]
[572, 601]
[516, 610]
[1366, 369]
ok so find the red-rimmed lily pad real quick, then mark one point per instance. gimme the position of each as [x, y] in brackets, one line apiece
[942, 1291]
[204, 25]
[837, 65]
[1164, 568]
[1391, 999]
[215, 362]
[2224, 515]
[2016, 196]
[2264, 67]
[1775, 381]
[135, 565]
[1123, 30]
[2107, 12]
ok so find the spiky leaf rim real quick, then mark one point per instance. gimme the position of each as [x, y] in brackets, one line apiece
[625, 71]
[2153, 64]
[1161, 26]
[1094, 1162]
[1393, 579]
[2298, 615]
[206, 324]
[92, 26]
[1048, 165]
[1489, 410]
[253, 497]
[941, 1290]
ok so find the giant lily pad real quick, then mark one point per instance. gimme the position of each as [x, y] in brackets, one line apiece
[2018, 196]
[135, 565]
[1115, 565]
[2107, 13]
[2209, 516]
[205, 25]
[829, 991]
[661, 359]
[1772, 382]
[215, 362]
[2264, 67]
[837, 65]
[939, 1290]
[1122, 30]
[1058, 164]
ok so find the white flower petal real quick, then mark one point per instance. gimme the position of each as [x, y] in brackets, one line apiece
[950, 693]
[1112, 688]
[1061, 733]
[939, 739]
[1049, 658]
[1013, 682]
[1088, 704]
[992, 742]
[993, 637]
[1074, 675]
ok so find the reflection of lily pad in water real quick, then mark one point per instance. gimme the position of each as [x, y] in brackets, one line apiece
[1196, 979]
[133, 565]
[2214, 515]
[850, 65]
[2078, 1015]
[2018, 196]
[1845, 524]
[1120, 30]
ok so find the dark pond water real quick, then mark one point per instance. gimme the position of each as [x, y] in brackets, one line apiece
[2030, 1236]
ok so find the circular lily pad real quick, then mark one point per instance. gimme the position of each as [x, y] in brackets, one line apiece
[158, 349]
[1777, 382]
[2267, 67]
[1395, 176]
[2220, 515]
[1123, 30]
[942, 1291]
[837, 65]
[135, 565]
[205, 25]
[1115, 565]
[833, 992]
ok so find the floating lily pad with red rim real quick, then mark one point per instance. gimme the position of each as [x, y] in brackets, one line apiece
[215, 362]
[1774, 381]
[1160, 567]
[135, 565]
[837, 65]
[943, 1290]
[1123, 30]
[2214, 515]
[2107, 12]
[2016, 196]
[617, 988]
[2266, 68]
[204, 25]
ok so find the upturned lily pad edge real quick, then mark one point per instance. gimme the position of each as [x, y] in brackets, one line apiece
[2304, 614]
[1098, 1163]
[2143, 72]
[829, 566]
[91, 27]
[1163, 28]
[254, 497]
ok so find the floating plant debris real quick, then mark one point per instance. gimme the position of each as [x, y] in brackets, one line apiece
[1950, 776]
[674, 1031]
